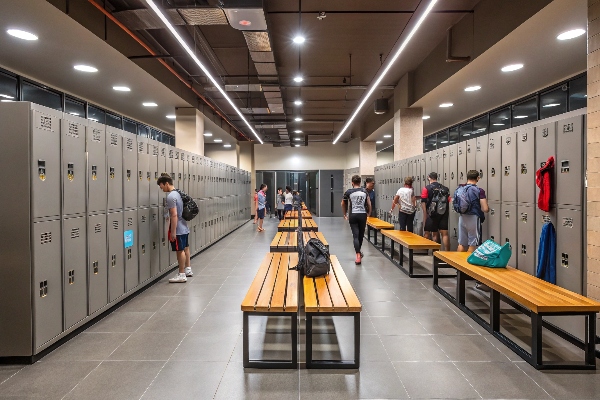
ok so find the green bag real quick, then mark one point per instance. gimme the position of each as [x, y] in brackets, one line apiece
[491, 254]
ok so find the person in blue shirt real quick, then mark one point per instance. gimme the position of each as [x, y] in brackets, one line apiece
[262, 205]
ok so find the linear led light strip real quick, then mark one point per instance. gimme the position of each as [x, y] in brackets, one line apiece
[375, 84]
[202, 67]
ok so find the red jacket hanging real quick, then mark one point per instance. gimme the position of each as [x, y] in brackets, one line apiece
[543, 179]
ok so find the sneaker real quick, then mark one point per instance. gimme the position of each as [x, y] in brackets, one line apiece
[188, 271]
[358, 260]
[362, 255]
[179, 278]
[480, 286]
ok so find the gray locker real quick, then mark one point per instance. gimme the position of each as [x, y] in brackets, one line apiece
[445, 179]
[153, 156]
[439, 157]
[155, 241]
[45, 159]
[545, 146]
[47, 281]
[73, 172]
[143, 244]
[453, 172]
[143, 172]
[493, 222]
[525, 166]
[453, 230]
[74, 270]
[481, 161]
[130, 224]
[186, 172]
[526, 243]
[97, 263]
[471, 148]
[172, 254]
[116, 260]
[96, 167]
[569, 259]
[508, 230]
[429, 157]
[541, 217]
[201, 176]
[509, 166]
[192, 179]
[569, 161]
[192, 236]
[461, 160]
[174, 164]
[179, 177]
[114, 168]
[130, 175]
[494, 175]
[423, 167]
[165, 248]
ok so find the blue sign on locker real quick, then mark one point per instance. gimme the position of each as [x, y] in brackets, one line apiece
[128, 238]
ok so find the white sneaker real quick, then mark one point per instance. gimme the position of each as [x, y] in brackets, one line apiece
[188, 271]
[179, 278]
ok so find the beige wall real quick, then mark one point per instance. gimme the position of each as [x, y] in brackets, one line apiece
[189, 130]
[218, 153]
[352, 153]
[312, 157]
[385, 157]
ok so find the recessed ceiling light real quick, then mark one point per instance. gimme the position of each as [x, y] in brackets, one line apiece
[6, 101]
[298, 102]
[571, 34]
[171, 116]
[512, 67]
[298, 139]
[521, 116]
[22, 34]
[472, 88]
[297, 119]
[498, 124]
[74, 113]
[150, 104]
[298, 79]
[93, 119]
[121, 89]
[387, 136]
[299, 39]
[379, 142]
[446, 105]
[226, 145]
[207, 134]
[296, 145]
[551, 105]
[217, 140]
[6, 96]
[298, 131]
[426, 117]
[444, 141]
[85, 68]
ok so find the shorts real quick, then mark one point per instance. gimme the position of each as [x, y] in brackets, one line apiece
[180, 243]
[288, 207]
[469, 230]
[261, 213]
[437, 223]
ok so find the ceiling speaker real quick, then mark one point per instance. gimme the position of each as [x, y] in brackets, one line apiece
[381, 106]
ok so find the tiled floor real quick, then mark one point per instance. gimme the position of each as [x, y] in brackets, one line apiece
[183, 341]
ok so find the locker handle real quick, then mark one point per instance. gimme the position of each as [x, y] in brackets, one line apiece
[71, 171]
[140, 174]
[148, 176]
[43, 288]
[111, 173]
[507, 170]
[42, 169]
[94, 172]
[564, 167]
[95, 267]
[128, 174]
[564, 262]
[493, 172]
[523, 169]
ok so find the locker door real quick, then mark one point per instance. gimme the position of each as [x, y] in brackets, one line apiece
[47, 281]
[525, 166]
[481, 161]
[526, 243]
[471, 154]
[494, 174]
[143, 173]
[453, 230]
[97, 263]
[186, 171]
[114, 168]
[508, 230]
[201, 178]
[96, 168]
[545, 146]
[192, 182]
[143, 244]
[74, 271]
[171, 254]
[130, 174]
[164, 241]
[162, 159]
[453, 175]
[174, 165]
[116, 261]
[130, 249]
[569, 260]
[192, 236]
[541, 217]
[45, 159]
[428, 164]
[155, 241]
[569, 162]
[153, 157]
[200, 226]
[493, 222]
[445, 179]
[179, 155]
[509, 166]
[423, 169]
[461, 160]
[440, 165]
[73, 164]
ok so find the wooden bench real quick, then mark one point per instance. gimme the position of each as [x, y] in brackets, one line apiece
[288, 241]
[331, 295]
[273, 292]
[528, 294]
[377, 225]
[288, 225]
[294, 214]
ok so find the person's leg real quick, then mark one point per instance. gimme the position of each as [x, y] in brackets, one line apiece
[474, 232]
[362, 224]
[402, 220]
[410, 222]
[463, 237]
[355, 240]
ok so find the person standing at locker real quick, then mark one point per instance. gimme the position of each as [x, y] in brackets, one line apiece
[469, 223]
[356, 206]
[255, 206]
[262, 205]
[435, 225]
[178, 229]
[370, 186]
[289, 200]
[405, 198]
[280, 199]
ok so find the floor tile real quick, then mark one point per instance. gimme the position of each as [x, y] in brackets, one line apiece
[451, 325]
[121, 322]
[386, 309]
[170, 322]
[149, 346]
[434, 380]
[6, 371]
[397, 326]
[206, 346]
[144, 302]
[566, 385]
[230, 322]
[413, 348]
[238, 383]
[469, 348]
[88, 346]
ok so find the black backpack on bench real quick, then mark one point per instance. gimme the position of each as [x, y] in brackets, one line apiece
[313, 258]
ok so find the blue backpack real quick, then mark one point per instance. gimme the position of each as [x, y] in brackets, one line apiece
[464, 197]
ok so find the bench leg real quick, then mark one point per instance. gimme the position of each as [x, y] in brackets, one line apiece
[356, 340]
[460, 287]
[410, 262]
[392, 250]
[590, 339]
[332, 364]
[435, 271]
[495, 310]
[272, 364]
[383, 244]
[401, 255]
[375, 238]
[536, 339]
[368, 233]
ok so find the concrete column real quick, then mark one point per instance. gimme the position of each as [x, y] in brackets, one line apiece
[408, 133]
[593, 152]
[246, 157]
[367, 158]
[189, 130]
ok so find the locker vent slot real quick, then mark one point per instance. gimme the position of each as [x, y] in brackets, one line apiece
[43, 288]
[568, 128]
[96, 135]
[71, 277]
[141, 147]
[523, 169]
[46, 238]
[98, 228]
[546, 218]
[564, 260]
[564, 167]
[114, 139]
[129, 144]
[567, 222]
[524, 217]
[45, 122]
[523, 249]
[129, 221]
[95, 267]
[115, 225]
[73, 130]
[74, 233]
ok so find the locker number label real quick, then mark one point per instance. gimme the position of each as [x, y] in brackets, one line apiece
[568, 128]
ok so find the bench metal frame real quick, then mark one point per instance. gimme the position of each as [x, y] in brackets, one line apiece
[332, 364]
[537, 323]
[272, 364]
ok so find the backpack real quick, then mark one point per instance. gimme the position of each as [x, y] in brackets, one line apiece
[439, 201]
[190, 208]
[464, 198]
[406, 202]
[314, 259]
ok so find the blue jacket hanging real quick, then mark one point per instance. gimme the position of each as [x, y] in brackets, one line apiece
[546, 268]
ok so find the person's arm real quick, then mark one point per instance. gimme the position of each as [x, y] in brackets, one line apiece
[484, 205]
[368, 206]
[424, 196]
[345, 205]
[394, 202]
[173, 218]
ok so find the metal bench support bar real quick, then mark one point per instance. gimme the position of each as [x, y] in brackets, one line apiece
[272, 364]
[332, 364]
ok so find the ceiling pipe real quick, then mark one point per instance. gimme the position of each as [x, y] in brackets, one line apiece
[449, 57]
[167, 66]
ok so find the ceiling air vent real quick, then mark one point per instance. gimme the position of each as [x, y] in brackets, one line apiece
[203, 16]
[257, 41]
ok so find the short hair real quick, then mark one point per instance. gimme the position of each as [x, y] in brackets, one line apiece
[262, 186]
[369, 180]
[356, 179]
[289, 189]
[408, 180]
[472, 175]
[164, 179]
[278, 189]
[433, 175]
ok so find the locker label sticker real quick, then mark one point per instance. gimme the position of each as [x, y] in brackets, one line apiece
[568, 128]
[128, 238]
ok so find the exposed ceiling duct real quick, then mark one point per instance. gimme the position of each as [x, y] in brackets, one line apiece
[203, 16]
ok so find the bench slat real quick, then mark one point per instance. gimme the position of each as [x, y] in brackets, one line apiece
[410, 240]
[337, 296]
[264, 299]
[310, 296]
[291, 298]
[351, 298]
[378, 223]
[323, 293]
[278, 298]
[255, 287]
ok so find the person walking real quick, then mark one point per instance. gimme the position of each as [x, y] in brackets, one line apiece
[435, 225]
[469, 222]
[280, 199]
[407, 202]
[356, 206]
[289, 199]
[261, 206]
[370, 186]
[255, 206]
[178, 229]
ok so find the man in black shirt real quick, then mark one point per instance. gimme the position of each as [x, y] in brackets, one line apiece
[437, 223]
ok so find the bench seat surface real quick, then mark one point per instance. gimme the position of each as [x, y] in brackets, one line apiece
[275, 286]
[294, 214]
[378, 223]
[290, 224]
[410, 240]
[534, 293]
[288, 241]
[330, 293]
